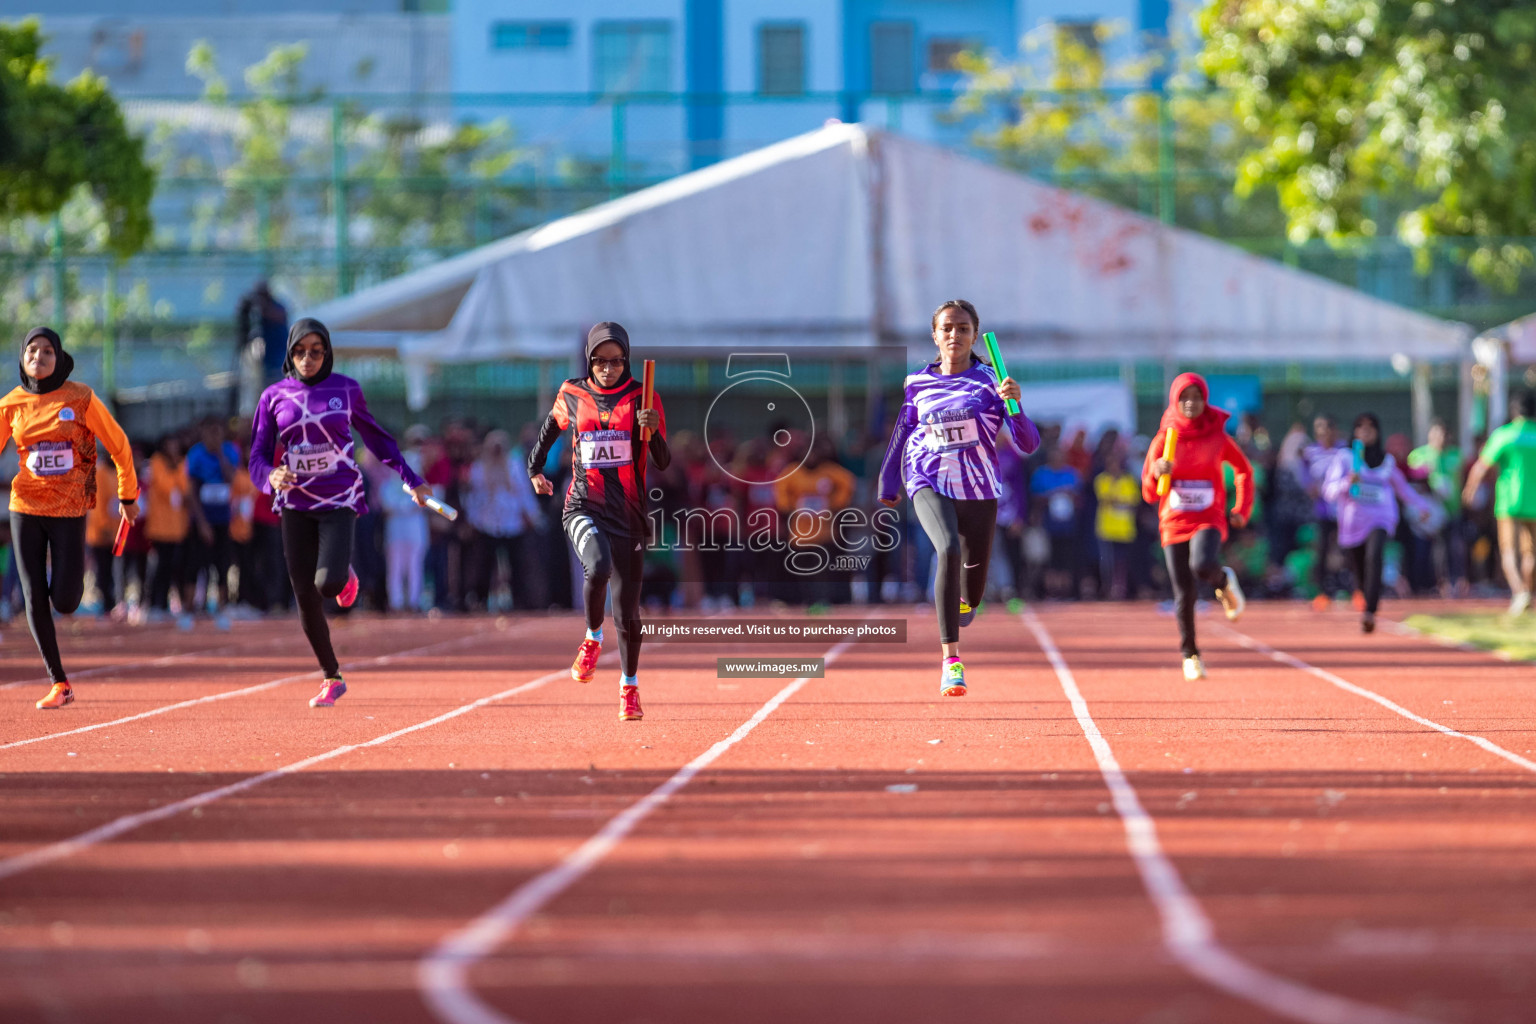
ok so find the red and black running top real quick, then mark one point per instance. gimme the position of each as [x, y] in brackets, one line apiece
[607, 459]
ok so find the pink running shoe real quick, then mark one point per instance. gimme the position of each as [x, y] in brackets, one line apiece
[349, 592]
[585, 665]
[629, 704]
[330, 692]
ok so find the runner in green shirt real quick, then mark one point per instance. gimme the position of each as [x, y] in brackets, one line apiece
[1511, 450]
[1442, 466]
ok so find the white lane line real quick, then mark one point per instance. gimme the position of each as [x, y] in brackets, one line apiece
[243, 691]
[442, 975]
[1188, 934]
[112, 829]
[169, 659]
[1259, 647]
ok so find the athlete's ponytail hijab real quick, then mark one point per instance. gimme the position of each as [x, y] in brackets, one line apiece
[63, 363]
[303, 328]
[1209, 421]
[608, 331]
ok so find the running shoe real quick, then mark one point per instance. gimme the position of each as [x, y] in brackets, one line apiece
[629, 704]
[1231, 596]
[1367, 623]
[61, 694]
[1357, 600]
[585, 665]
[967, 613]
[1519, 604]
[349, 592]
[952, 679]
[1194, 668]
[330, 692]
[1321, 603]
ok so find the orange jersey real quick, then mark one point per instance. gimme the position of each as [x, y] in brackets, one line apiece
[101, 520]
[56, 438]
[167, 519]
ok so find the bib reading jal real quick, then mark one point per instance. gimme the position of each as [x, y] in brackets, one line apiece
[317, 459]
[51, 458]
[605, 449]
[952, 430]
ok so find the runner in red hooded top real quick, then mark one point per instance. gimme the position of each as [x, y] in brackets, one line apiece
[1198, 497]
[1193, 515]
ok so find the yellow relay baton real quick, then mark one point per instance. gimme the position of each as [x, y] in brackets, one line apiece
[1166, 480]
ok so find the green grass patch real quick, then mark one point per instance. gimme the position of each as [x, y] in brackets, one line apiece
[1492, 631]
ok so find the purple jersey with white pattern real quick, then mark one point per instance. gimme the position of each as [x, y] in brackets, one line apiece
[946, 434]
[313, 425]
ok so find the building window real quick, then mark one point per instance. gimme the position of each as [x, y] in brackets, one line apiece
[942, 53]
[781, 60]
[891, 57]
[530, 35]
[632, 56]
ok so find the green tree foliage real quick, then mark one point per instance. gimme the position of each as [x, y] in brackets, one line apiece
[56, 139]
[1068, 114]
[1410, 116]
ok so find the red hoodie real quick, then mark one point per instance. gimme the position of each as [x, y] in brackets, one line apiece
[1198, 497]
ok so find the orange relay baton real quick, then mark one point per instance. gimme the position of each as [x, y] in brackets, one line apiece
[1166, 480]
[647, 392]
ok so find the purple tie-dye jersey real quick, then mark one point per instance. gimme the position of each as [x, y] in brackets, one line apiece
[946, 434]
[313, 425]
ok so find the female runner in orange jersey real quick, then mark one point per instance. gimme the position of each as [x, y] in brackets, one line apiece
[56, 424]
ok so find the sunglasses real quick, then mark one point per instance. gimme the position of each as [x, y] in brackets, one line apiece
[608, 364]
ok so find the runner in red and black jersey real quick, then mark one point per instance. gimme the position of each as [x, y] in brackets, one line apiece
[605, 506]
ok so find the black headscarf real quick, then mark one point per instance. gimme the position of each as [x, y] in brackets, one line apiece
[303, 328]
[63, 363]
[608, 331]
[1374, 452]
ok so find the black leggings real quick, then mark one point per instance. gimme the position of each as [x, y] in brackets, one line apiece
[961, 531]
[318, 549]
[1365, 562]
[1189, 560]
[603, 556]
[1327, 539]
[34, 539]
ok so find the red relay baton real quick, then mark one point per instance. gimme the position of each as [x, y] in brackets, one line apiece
[122, 538]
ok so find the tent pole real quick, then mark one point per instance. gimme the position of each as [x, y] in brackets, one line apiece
[1423, 403]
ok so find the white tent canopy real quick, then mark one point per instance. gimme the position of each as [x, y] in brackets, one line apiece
[848, 236]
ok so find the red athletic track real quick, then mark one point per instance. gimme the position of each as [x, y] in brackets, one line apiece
[1331, 841]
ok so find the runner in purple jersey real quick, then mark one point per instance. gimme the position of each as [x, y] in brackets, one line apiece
[944, 452]
[301, 452]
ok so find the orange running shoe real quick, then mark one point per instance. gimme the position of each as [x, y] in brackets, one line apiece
[61, 694]
[585, 665]
[1321, 603]
[629, 704]
[1357, 600]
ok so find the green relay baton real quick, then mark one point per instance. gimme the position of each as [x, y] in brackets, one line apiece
[997, 364]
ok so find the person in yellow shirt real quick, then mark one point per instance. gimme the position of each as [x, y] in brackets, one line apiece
[1119, 495]
[56, 425]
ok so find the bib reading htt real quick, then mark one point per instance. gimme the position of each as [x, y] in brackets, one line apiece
[605, 449]
[51, 458]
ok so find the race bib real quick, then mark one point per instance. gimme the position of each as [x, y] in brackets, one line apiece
[317, 459]
[1192, 495]
[213, 494]
[51, 458]
[1373, 493]
[952, 430]
[1061, 506]
[604, 449]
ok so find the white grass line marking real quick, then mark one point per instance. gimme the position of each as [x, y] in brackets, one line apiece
[1258, 646]
[1188, 934]
[112, 829]
[169, 659]
[442, 975]
[243, 691]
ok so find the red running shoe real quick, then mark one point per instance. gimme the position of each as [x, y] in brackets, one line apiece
[629, 704]
[1357, 600]
[62, 694]
[585, 665]
[349, 592]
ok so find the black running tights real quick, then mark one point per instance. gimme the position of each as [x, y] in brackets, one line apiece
[961, 531]
[34, 539]
[603, 556]
[1365, 561]
[318, 549]
[1198, 558]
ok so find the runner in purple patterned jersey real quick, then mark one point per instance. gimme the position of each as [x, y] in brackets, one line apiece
[944, 452]
[302, 453]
